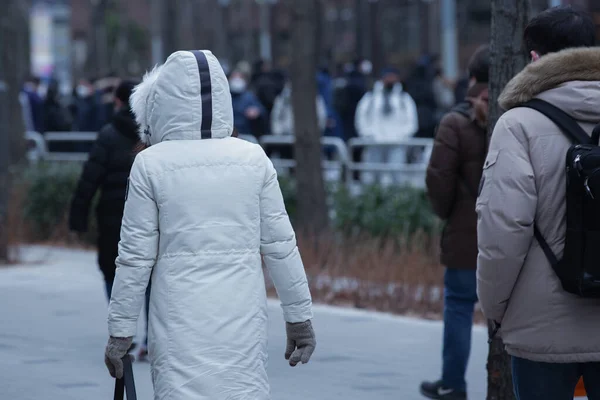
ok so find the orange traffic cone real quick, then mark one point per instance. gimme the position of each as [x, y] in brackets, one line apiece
[580, 389]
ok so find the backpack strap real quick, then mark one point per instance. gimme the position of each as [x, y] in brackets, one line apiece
[576, 134]
[566, 123]
[545, 247]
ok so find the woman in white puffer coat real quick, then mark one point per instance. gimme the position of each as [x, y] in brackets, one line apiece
[202, 208]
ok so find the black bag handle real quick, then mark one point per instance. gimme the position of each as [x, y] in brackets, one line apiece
[126, 385]
[567, 125]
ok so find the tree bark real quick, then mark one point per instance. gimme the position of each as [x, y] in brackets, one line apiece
[14, 68]
[509, 18]
[312, 207]
[170, 25]
[98, 59]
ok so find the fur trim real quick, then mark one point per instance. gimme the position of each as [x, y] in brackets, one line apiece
[550, 71]
[141, 103]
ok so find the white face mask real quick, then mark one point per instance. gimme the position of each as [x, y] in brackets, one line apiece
[237, 85]
[83, 91]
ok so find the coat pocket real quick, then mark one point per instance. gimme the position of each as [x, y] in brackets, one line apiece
[483, 193]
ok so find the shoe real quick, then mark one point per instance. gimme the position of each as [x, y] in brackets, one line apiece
[142, 354]
[437, 391]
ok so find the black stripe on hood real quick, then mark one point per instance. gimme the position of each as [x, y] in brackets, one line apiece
[205, 94]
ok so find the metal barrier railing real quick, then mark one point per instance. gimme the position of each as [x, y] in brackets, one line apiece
[64, 139]
[401, 162]
[333, 169]
[407, 166]
[52, 139]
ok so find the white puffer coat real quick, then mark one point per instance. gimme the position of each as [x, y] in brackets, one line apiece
[202, 208]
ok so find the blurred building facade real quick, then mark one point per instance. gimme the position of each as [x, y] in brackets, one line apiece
[100, 37]
[50, 40]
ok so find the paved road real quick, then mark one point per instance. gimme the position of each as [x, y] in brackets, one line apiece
[53, 332]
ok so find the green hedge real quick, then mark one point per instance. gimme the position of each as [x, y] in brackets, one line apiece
[377, 211]
[49, 190]
[394, 211]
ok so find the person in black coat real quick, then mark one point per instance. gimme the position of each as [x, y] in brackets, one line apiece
[56, 117]
[107, 170]
[420, 86]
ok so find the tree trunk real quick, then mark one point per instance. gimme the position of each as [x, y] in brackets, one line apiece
[158, 48]
[170, 26]
[4, 154]
[98, 58]
[509, 18]
[312, 208]
[375, 36]
[14, 68]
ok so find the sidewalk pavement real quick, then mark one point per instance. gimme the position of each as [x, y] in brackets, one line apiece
[53, 314]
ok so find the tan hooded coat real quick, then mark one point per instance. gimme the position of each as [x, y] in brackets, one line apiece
[524, 181]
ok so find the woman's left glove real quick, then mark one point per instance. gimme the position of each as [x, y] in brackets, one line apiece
[116, 349]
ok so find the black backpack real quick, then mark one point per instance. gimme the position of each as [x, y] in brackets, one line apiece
[579, 268]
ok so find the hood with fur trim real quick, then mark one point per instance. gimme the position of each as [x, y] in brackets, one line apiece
[187, 98]
[553, 71]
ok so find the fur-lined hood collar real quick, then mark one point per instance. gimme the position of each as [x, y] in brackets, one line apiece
[549, 72]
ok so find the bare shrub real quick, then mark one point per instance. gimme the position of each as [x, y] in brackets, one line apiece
[399, 276]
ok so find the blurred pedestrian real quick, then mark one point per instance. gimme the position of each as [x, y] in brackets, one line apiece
[249, 115]
[386, 114]
[104, 96]
[107, 171]
[33, 105]
[333, 126]
[267, 83]
[86, 107]
[349, 89]
[420, 86]
[282, 117]
[452, 180]
[203, 212]
[56, 117]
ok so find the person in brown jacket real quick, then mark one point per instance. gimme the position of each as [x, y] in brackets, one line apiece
[453, 176]
[552, 336]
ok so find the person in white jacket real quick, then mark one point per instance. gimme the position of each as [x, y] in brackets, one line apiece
[386, 114]
[203, 209]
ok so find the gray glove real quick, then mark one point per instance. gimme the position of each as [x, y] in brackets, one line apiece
[116, 349]
[301, 342]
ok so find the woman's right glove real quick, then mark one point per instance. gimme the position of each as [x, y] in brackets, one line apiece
[301, 342]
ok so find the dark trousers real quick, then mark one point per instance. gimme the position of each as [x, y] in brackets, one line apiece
[460, 296]
[108, 250]
[545, 381]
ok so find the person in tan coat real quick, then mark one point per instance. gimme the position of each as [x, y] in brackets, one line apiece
[552, 336]
[452, 180]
